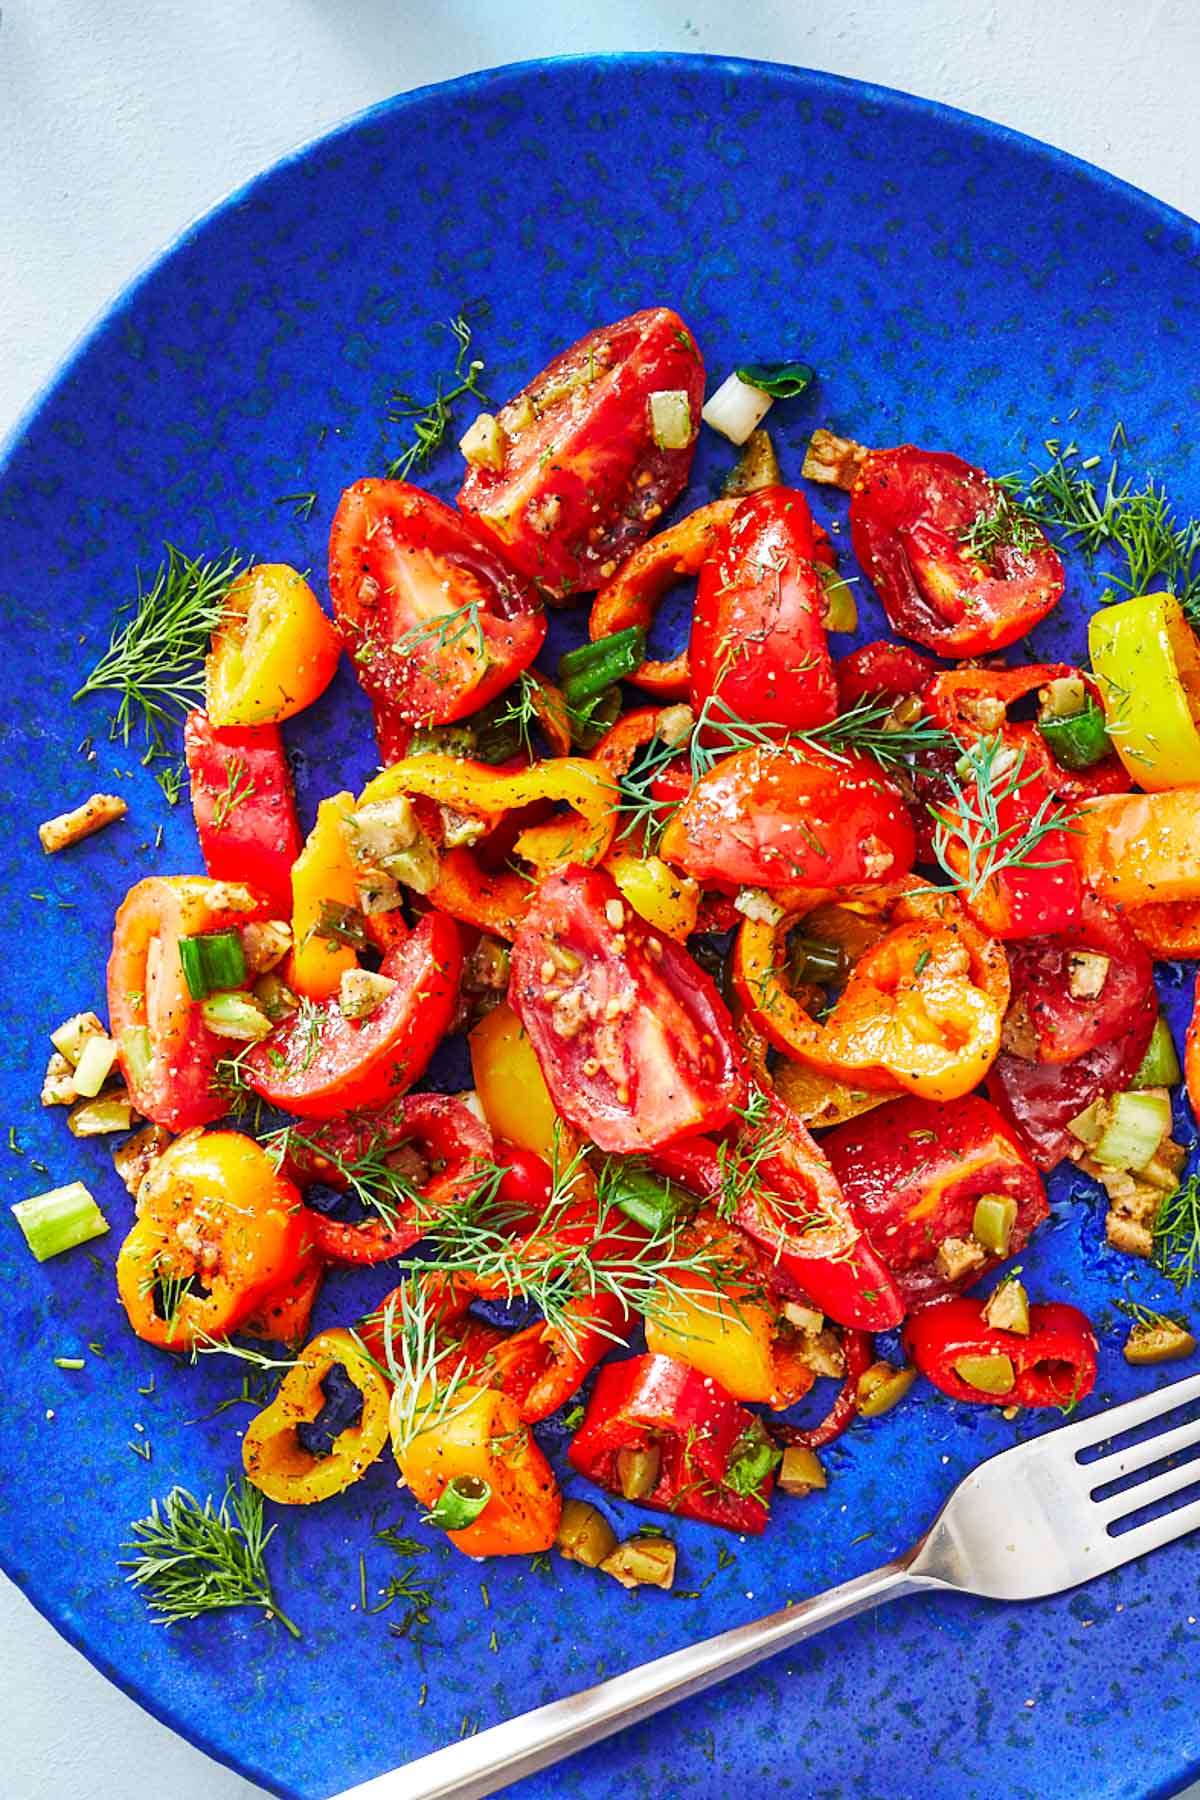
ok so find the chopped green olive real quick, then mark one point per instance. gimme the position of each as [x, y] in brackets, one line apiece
[990, 1374]
[642, 1562]
[801, 1471]
[1166, 1341]
[638, 1471]
[584, 1534]
[757, 466]
[992, 1226]
[880, 1388]
[1007, 1308]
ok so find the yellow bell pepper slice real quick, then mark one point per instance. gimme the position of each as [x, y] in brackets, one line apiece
[508, 1079]
[1146, 659]
[661, 895]
[322, 871]
[274, 1458]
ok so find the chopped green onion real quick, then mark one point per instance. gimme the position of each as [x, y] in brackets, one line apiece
[839, 611]
[1137, 1125]
[736, 409]
[1078, 740]
[671, 418]
[107, 1112]
[757, 466]
[236, 1015]
[135, 1049]
[990, 1374]
[94, 1066]
[782, 380]
[649, 1200]
[585, 673]
[1160, 1065]
[992, 1226]
[69, 1362]
[211, 962]
[59, 1220]
[460, 1503]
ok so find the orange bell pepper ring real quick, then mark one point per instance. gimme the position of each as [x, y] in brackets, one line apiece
[1167, 928]
[922, 1009]
[497, 900]
[1140, 849]
[294, 1465]
[479, 1436]
[635, 592]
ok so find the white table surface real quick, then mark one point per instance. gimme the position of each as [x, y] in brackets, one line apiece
[119, 121]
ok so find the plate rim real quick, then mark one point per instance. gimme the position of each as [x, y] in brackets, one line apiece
[59, 1613]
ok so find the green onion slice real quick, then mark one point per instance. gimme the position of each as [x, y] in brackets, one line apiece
[211, 962]
[59, 1220]
[1079, 740]
[649, 1200]
[782, 380]
[460, 1503]
[585, 673]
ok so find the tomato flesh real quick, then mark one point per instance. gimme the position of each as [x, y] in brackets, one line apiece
[910, 515]
[777, 819]
[1047, 1022]
[635, 1044]
[583, 479]
[435, 619]
[758, 641]
[318, 1063]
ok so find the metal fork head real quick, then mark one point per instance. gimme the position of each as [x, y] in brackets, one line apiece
[1045, 1516]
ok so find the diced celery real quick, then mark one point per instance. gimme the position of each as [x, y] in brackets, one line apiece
[671, 418]
[94, 1066]
[1160, 1065]
[71, 1036]
[59, 1220]
[236, 1015]
[106, 1113]
[1137, 1125]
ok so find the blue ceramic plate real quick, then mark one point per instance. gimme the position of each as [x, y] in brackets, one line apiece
[953, 284]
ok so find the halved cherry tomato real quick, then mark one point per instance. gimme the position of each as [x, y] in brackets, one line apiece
[243, 805]
[881, 671]
[166, 1051]
[758, 639]
[436, 621]
[974, 704]
[1073, 991]
[218, 1229]
[583, 477]
[273, 653]
[1041, 1099]
[922, 1008]
[635, 592]
[911, 515]
[443, 1140]
[317, 1063]
[635, 1044]
[914, 1172]
[1054, 1364]
[777, 819]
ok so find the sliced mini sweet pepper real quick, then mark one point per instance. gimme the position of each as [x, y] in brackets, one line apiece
[1054, 1364]
[1147, 664]
[670, 1438]
[496, 901]
[1139, 850]
[923, 1006]
[974, 703]
[325, 1426]
[479, 1438]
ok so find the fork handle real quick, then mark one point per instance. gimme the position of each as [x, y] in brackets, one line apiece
[535, 1740]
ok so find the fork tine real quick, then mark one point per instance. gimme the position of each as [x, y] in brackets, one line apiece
[1138, 1456]
[1117, 1419]
[1145, 1493]
[1144, 1538]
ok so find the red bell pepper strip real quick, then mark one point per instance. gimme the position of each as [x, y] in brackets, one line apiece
[445, 1134]
[1055, 1365]
[974, 703]
[913, 1171]
[1031, 894]
[696, 1427]
[859, 1350]
[787, 1199]
[243, 806]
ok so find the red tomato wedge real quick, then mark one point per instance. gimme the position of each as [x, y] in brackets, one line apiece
[881, 671]
[584, 477]
[777, 819]
[435, 619]
[758, 641]
[243, 806]
[1074, 991]
[635, 1044]
[913, 517]
[319, 1064]
[167, 1053]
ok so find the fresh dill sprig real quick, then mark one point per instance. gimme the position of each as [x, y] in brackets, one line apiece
[1005, 525]
[367, 1173]
[444, 631]
[154, 661]
[190, 1559]
[871, 728]
[424, 1395]
[431, 418]
[204, 1344]
[1177, 1234]
[1148, 1319]
[968, 829]
[239, 786]
[302, 505]
[170, 780]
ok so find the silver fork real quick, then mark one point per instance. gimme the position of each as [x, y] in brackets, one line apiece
[1024, 1524]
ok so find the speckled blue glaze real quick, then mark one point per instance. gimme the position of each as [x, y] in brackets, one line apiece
[953, 284]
